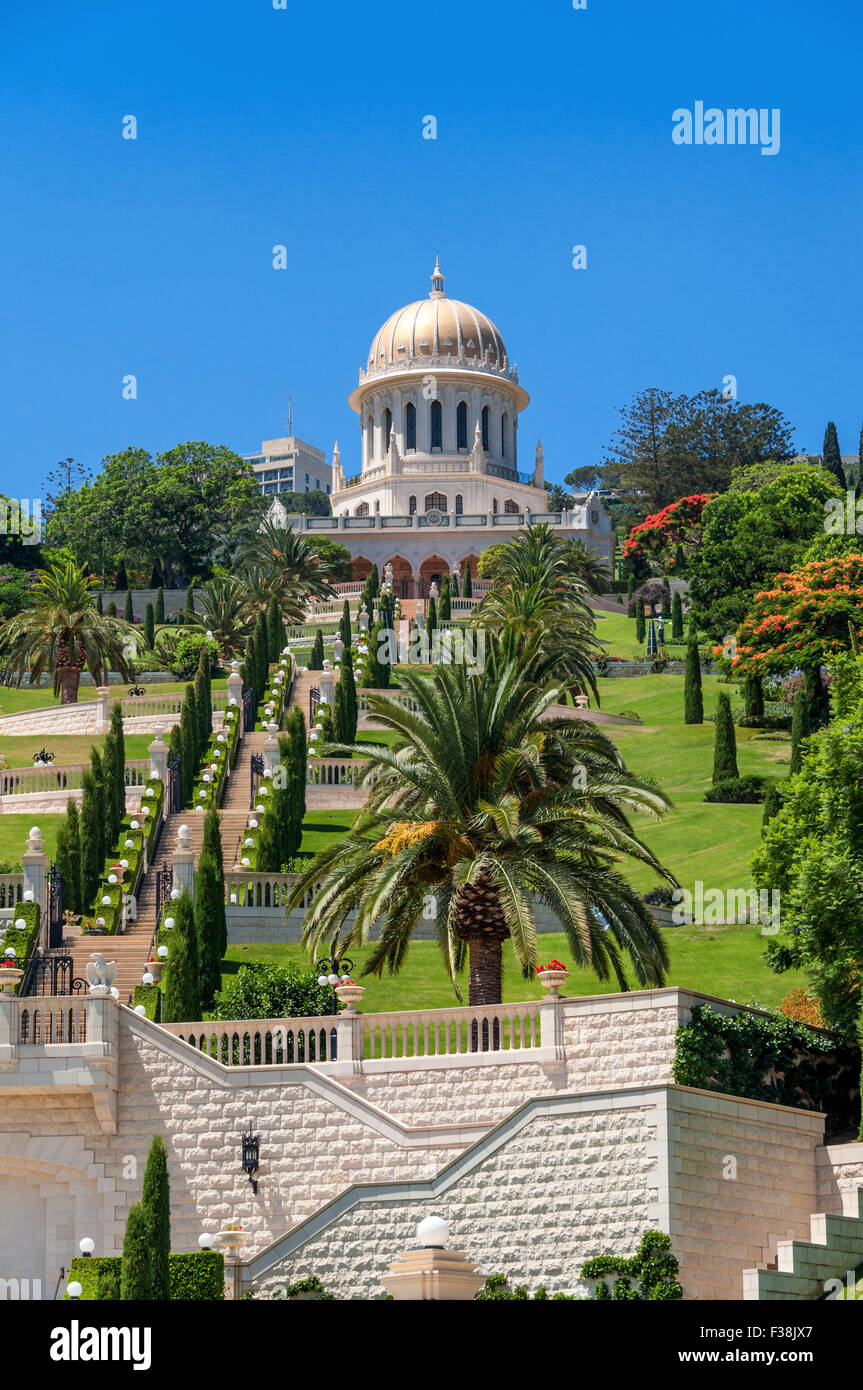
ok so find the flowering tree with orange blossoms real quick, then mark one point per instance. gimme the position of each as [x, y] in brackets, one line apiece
[802, 620]
[657, 537]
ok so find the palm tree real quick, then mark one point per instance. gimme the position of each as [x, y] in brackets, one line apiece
[260, 583]
[487, 808]
[62, 632]
[283, 550]
[226, 611]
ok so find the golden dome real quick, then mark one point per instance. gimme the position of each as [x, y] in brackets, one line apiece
[436, 327]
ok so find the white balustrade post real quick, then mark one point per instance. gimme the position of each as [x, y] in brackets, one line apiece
[327, 683]
[102, 720]
[271, 750]
[183, 862]
[551, 1027]
[8, 1027]
[34, 862]
[158, 751]
[235, 684]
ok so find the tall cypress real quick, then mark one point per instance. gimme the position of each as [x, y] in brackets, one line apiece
[630, 587]
[99, 602]
[724, 742]
[128, 612]
[112, 609]
[200, 688]
[640, 627]
[110, 795]
[454, 584]
[800, 729]
[150, 626]
[693, 702]
[677, 617]
[817, 699]
[188, 746]
[119, 749]
[212, 845]
[91, 840]
[753, 696]
[679, 561]
[261, 650]
[445, 600]
[666, 604]
[160, 606]
[316, 660]
[345, 624]
[156, 1202]
[275, 630]
[831, 456]
[98, 770]
[182, 992]
[346, 704]
[68, 857]
[136, 1274]
[122, 579]
[191, 615]
[208, 909]
[468, 584]
[772, 802]
[431, 617]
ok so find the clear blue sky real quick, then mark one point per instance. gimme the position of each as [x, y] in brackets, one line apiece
[259, 126]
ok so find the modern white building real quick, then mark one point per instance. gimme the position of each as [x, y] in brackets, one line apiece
[439, 403]
[290, 465]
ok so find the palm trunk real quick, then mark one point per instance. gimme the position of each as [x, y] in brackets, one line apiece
[485, 970]
[69, 678]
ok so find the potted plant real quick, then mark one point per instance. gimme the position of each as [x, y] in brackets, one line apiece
[10, 972]
[552, 976]
[349, 992]
[231, 1236]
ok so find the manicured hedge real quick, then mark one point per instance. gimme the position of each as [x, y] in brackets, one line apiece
[22, 939]
[150, 996]
[198, 1276]
[112, 910]
[221, 754]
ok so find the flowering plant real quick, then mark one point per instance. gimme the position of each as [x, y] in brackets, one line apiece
[552, 965]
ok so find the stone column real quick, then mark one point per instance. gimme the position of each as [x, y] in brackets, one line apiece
[158, 751]
[8, 1027]
[328, 683]
[235, 684]
[102, 719]
[433, 1272]
[271, 750]
[183, 862]
[34, 862]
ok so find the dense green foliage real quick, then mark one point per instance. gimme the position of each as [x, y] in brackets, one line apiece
[156, 1203]
[136, 1268]
[273, 991]
[182, 1001]
[724, 743]
[653, 1268]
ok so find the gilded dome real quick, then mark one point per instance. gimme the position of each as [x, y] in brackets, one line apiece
[436, 327]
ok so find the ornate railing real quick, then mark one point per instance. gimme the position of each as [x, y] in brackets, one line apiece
[43, 1021]
[262, 1043]
[151, 706]
[334, 772]
[11, 889]
[451, 1032]
[29, 781]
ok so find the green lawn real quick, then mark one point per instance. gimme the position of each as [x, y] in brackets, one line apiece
[68, 749]
[12, 700]
[725, 961]
[14, 830]
[616, 632]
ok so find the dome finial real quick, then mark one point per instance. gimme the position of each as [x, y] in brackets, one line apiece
[437, 279]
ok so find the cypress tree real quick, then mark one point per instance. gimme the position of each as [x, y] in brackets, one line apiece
[666, 605]
[346, 704]
[188, 745]
[445, 599]
[468, 585]
[275, 630]
[250, 665]
[294, 757]
[201, 708]
[119, 768]
[382, 657]
[155, 577]
[108, 1284]
[693, 703]
[431, 618]
[128, 612]
[122, 580]
[268, 858]
[345, 624]
[97, 768]
[640, 628]
[68, 857]
[175, 743]
[753, 696]
[630, 587]
[454, 585]
[160, 606]
[374, 582]
[772, 802]
[99, 602]
[212, 846]
[679, 561]
[190, 615]
[209, 909]
[91, 837]
[112, 609]
[316, 660]
[724, 742]
[156, 1202]
[207, 670]
[831, 455]
[817, 700]
[677, 617]
[800, 729]
[150, 626]
[182, 1001]
[136, 1278]
[261, 650]
[110, 795]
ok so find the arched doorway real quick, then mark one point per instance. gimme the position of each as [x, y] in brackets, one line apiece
[362, 569]
[432, 571]
[403, 576]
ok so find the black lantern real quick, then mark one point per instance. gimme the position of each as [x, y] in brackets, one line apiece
[251, 1154]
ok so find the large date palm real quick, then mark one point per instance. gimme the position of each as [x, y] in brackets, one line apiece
[289, 555]
[61, 631]
[481, 810]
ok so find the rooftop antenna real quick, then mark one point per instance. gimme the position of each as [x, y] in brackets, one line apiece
[290, 416]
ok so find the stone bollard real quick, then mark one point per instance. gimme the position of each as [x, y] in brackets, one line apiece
[102, 720]
[433, 1272]
[34, 862]
[183, 862]
[158, 751]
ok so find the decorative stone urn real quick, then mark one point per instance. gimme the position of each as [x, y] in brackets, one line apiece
[552, 980]
[350, 995]
[231, 1239]
[9, 976]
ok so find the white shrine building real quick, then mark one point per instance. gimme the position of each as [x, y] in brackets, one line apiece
[439, 404]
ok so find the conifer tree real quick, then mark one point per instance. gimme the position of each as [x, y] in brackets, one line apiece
[190, 616]
[128, 612]
[772, 802]
[99, 602]
[122, 580]
[92, 858]
[68, 857]
[468, 583]
[112, 609]
[119, 749]
[97, 768]
[150, 626]
[817, 700]
[753, 696]
[200, 688]
[275, 630]
[677, 617]
[346, 705]
[262, 665]
[640, 627]
[156, 1202]
[160, 607]
[445, 600]
[666, 605]
[693, 702]
[431, 617]
[724, 742]
[110, 794]
[250, 666]
[630, 587]
[454, 585]
[182, 1001]
[209, 905]
[832, 458]
[212, 845]
[188, 745]
[316, 661]
[345, 624]
[108, 1283]
[136, 1278]
[800, 729]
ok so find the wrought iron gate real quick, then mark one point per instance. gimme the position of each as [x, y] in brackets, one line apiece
[248, 711]
[174, 789]
[55, 908]
[255, 776]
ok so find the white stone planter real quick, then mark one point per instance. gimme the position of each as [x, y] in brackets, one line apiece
[232, 1240]
[350, 995]
[552, 980]
[9, 977]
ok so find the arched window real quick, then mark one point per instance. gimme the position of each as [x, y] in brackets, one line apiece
[410, 427]
[436, 425]
[494, 505]
[461, 425]
[362, 509]
[412, 504]
[388, 424]
[435, 500]
[485, 419]
[504, 427]
[459, 504]
[370, 436]
[510, 508]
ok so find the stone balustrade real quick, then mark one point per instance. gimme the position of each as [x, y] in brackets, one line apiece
[334, 772]
[262, 891]
[264, 1042]
[11, 889]
[152, 706]
[31, 781]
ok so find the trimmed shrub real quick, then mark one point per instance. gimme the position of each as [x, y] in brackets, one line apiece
[800, 729]
[136, 1274]
[693, 701]
[156, 1202]
[736, 789]
[724, 743]
[197, 1276]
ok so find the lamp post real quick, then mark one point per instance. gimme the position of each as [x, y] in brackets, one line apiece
[331, 971]
[87, 1246]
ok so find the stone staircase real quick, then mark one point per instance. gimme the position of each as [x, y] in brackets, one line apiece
[803, 1269]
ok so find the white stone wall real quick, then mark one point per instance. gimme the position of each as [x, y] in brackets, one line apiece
[840, 1178]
